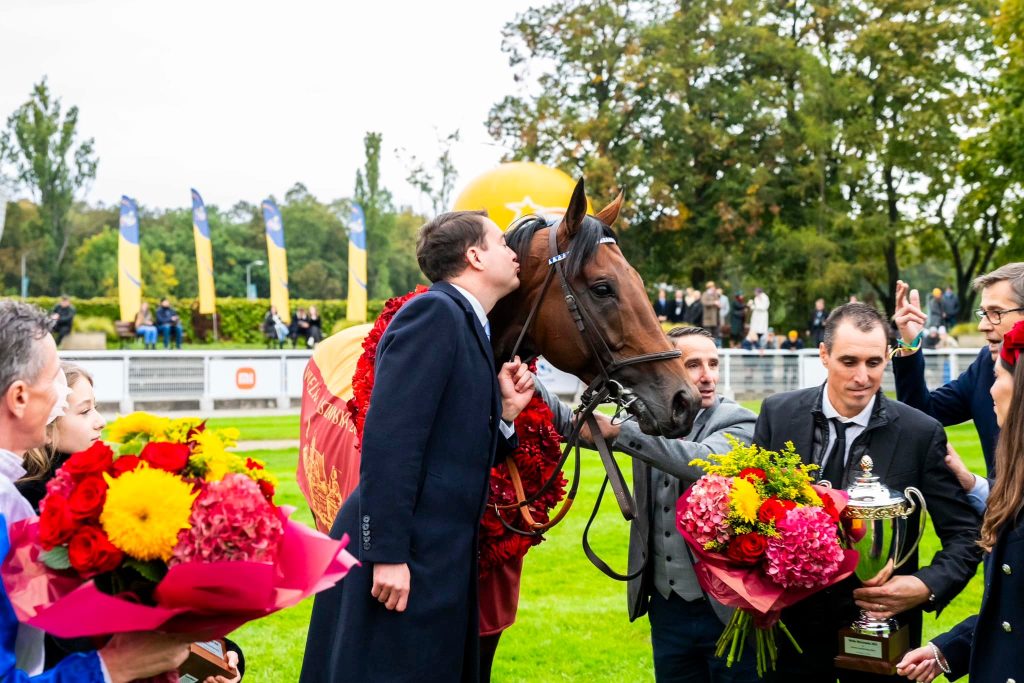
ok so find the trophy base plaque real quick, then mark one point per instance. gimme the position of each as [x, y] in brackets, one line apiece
[871, 652]
[206, 659]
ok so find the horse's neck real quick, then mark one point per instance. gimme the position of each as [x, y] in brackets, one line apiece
[507, 319]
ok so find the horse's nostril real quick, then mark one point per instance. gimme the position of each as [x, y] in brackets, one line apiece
[684, 405]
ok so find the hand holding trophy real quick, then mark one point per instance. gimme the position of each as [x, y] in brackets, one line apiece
[876, 520]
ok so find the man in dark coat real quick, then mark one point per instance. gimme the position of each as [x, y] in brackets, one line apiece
[437, 416]
[834, 426]
[967, 397]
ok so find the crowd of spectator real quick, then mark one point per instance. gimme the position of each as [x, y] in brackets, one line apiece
[742, 323]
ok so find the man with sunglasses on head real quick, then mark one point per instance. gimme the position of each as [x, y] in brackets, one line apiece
[966, 397]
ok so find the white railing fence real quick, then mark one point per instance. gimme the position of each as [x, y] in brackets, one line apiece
[206, 379]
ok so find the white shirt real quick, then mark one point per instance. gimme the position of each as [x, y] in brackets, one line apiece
[854, 426]
[507, 428]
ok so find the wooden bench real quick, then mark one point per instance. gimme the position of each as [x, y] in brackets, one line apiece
[125, 332]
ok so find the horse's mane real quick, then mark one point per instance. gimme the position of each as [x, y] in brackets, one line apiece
[582, 248]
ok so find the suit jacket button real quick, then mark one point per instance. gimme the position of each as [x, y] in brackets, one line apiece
[366, 518]
[1007, 627]
[366, 546]
[1007, 569]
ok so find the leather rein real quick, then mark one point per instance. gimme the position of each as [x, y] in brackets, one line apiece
[603, 389]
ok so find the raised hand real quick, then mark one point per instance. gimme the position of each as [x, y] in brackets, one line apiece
[910, 318]
[516, 383]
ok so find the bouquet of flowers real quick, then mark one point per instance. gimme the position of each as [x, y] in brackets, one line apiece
[168, 531]
[765, 538]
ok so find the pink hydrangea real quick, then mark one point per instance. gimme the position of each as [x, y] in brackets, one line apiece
[806, 553]
[61, 484]
[231, 521]
[706, 517]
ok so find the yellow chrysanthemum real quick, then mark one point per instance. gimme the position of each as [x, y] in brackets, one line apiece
[145, 510]
[745, 500]
[126, 427]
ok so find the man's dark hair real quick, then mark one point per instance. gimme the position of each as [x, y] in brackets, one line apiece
[21, 326]
[864, 317]
[442, 244]
[689, 331]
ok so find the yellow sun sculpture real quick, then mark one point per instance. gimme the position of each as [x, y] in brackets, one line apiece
[145, 510]
[517, 189]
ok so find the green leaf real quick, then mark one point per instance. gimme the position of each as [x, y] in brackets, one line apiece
[154, 570]
[57, 558]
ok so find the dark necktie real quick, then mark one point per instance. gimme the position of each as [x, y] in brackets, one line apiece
[833, 470]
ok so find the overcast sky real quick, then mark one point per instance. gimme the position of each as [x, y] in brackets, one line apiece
[243, 99]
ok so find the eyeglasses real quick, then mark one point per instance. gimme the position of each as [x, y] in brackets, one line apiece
[995, 316]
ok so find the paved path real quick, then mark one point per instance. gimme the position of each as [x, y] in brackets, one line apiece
[272, 445]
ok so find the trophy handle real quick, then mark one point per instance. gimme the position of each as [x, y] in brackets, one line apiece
[911, 492]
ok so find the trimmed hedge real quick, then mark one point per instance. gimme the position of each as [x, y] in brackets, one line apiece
[239, 320]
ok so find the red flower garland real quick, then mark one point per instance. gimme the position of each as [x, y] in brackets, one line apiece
[536, 458]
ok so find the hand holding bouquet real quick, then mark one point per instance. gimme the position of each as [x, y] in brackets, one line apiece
[765, 538]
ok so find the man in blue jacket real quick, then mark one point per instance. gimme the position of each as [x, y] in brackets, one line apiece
[967, 397]
[438, 413]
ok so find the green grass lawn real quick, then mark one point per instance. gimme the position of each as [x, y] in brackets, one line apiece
[269, 428]
[572, 623]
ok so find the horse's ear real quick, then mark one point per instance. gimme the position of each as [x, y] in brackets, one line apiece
[611, 212]
[577, 210]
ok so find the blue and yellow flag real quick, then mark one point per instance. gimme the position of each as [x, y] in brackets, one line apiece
[129, 268]
[204, 256]
[357, 265]
[277, 258]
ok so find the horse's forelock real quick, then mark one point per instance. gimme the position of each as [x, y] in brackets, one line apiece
[582, 248]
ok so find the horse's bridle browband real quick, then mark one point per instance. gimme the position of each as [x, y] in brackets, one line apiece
[602, 389]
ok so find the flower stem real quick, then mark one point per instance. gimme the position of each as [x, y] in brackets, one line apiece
[790, 636]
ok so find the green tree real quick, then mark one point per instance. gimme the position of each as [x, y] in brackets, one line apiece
[436, 184]
[379, 216]
[40, 146]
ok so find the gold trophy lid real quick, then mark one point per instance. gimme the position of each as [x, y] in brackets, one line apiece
[867, 490]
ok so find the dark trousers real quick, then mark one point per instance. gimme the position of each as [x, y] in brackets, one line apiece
[685, 635]
[61, 330]
[165, 332]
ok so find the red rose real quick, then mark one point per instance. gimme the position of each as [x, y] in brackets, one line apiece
[267, 489]
[87, 498]
[746, 548]
[166, 456]
[752, 473]
[91, 552]
[94, 460]
[788, 504]
[56, 525]
[829, 506]
[772, 511]
[251, 464]
[126, 463]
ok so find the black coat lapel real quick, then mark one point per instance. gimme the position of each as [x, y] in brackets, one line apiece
[802, 425]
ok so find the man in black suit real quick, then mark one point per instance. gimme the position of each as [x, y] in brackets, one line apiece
[834, 426]
[438, 413]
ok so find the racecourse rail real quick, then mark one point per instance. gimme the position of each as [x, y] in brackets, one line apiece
[218, 378]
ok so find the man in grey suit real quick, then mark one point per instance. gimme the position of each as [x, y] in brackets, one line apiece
[685, 623]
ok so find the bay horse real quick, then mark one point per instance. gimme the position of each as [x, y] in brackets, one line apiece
[594, 320]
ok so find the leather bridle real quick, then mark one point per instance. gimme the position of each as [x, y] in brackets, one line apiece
[603, 389]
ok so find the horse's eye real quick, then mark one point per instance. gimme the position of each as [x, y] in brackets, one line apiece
[602, 289]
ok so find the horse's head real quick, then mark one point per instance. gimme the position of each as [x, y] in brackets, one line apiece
[617, 320]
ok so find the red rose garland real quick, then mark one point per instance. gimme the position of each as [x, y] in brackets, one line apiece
[536, 458]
